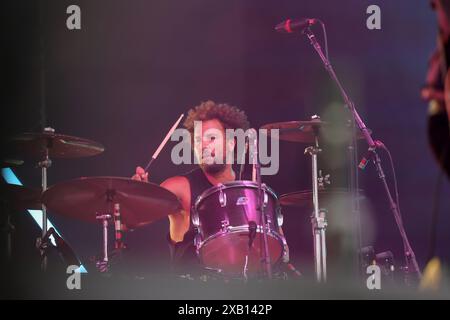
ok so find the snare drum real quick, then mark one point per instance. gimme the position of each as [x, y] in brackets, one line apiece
[229, 235]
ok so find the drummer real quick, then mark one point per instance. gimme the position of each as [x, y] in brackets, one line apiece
[211, 172]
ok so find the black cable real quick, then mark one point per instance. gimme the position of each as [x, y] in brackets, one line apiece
[435, 216]
[406, 244]
[391, 161]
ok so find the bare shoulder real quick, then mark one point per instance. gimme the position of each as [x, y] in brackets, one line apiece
[175, 183]
[179, 186]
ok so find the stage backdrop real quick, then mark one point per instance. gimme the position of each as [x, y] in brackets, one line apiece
[135, 66]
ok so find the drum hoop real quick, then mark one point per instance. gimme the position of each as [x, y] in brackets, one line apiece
[233, 184]
[280, 238]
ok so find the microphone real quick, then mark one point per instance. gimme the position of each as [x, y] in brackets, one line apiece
[293, 25]
[366, 158]
[118, 232]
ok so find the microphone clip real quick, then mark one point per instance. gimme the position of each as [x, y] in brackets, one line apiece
[369, 154]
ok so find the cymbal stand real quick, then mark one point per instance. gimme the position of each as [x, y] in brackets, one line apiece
[103, 265]
[45, 164]
[318, 220]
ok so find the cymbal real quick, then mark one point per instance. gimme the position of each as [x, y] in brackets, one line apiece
[140, 202]
[302, 199]
[59, 146]
[20, 197]
[300, 131]
[9, 163]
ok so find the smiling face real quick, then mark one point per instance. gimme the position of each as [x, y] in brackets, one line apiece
[211, 146]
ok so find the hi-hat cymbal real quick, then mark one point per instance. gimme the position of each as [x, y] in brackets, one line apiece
[303, 199]
[140, 202]
[300, 131]
[19, 197]
[59, 146]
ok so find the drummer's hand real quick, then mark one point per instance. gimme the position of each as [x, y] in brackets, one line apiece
[140, 175]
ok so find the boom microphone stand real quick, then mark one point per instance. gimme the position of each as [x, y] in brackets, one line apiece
[411, 262]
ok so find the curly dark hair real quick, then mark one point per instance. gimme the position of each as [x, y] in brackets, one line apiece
[230, 117]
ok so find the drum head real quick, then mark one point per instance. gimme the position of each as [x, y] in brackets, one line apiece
[230, 252]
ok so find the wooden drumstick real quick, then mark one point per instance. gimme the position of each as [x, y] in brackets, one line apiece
[163, 143]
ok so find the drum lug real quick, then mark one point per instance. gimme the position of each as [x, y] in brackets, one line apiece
[195, 219]
[225, 224]
[222, 197]
[197, 240]
[280, 217]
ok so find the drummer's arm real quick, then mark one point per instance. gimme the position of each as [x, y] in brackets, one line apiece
[179, 220]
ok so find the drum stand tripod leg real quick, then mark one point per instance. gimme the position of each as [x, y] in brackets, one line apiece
[103, 264]
[320, 248]
[324, 248]
[45, 164]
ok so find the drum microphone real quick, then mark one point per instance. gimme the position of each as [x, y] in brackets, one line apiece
[118, 232]
[294, 25]
[368, 156]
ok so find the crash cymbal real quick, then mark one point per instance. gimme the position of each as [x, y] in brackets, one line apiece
[302, 199]
[19, 197]
[59, 146]
[296, 131]
[140, 202]
[301, 131]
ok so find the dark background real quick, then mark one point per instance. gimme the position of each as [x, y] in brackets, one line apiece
[134, 66]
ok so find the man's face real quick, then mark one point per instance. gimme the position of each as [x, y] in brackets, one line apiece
[211, 147]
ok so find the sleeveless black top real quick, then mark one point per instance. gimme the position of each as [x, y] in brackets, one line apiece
[182, 254]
